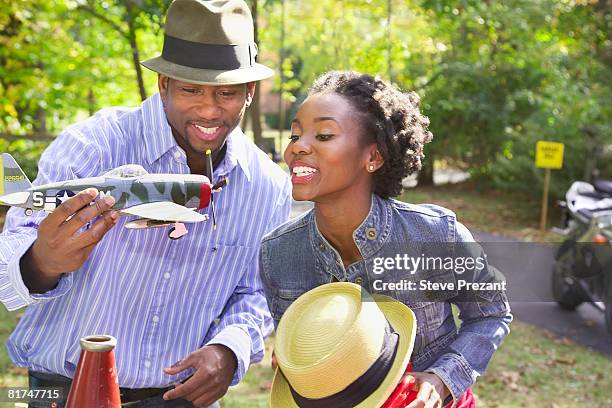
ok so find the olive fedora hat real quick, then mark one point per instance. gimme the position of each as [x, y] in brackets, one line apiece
[209, 42]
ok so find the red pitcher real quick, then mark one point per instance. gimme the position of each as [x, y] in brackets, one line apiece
[95, 383]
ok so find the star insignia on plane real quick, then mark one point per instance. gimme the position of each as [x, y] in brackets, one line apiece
[63, 196]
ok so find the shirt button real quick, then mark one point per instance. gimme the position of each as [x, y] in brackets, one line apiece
[371, 234]
[321, 246]
[177, 155]
[147, 363]
[166, 275]
[155, 319]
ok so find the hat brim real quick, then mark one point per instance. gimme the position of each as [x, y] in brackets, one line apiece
[403, 321]
[199, 76]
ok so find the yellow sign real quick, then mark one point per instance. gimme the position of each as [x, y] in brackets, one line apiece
[549, 155]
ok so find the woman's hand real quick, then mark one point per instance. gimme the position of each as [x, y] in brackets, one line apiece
[431, 391]
[274, 363]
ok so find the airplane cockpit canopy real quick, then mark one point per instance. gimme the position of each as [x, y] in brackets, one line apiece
[126, 171]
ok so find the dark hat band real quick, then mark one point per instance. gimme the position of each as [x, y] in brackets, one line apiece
[218, 57]
[363, 386]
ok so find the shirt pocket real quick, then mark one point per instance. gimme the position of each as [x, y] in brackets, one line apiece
[429, 315]
[283, 298]
[220, 267]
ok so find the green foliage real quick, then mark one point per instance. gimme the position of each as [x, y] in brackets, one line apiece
[26, 152]
[62, 60]
[494, 77]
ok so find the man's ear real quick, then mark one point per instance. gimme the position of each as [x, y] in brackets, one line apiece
[250, 92]
[162, 84]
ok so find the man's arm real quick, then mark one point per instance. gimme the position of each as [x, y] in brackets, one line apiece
[36, 251]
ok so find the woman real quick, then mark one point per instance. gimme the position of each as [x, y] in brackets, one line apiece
[353, 141]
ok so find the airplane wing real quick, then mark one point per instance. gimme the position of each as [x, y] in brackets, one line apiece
[15, 198]
[165, 211]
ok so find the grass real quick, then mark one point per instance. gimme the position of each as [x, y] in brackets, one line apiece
[536, 369]
[512, 215]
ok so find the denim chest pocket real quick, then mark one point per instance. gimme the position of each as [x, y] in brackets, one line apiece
[429, 315]
[282, 299]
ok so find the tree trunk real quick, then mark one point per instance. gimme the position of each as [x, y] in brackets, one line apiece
[389, 42]
[255, 110]
[281, 111]
[40, 124]
[91, 102]
[135, 53]
[425, 176]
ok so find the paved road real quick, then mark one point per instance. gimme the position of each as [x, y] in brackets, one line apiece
[527, 268]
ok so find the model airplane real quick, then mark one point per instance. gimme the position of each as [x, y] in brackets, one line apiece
[158, 200]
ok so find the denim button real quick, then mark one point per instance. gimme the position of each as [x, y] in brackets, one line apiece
[359, 280]
[371, 233]
[321, 246]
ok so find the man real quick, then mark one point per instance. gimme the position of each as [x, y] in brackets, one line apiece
[189, 315]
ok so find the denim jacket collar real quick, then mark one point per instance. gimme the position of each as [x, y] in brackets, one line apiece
[369, 236]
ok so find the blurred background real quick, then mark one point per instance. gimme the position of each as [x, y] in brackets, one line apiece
[494, 77]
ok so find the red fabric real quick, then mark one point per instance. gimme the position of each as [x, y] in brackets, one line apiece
[466, 401]
[404, 394]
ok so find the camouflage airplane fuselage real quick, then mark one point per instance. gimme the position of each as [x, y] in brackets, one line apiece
[189, 190]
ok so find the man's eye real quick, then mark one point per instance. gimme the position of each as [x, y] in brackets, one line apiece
[293, 138]
[227, 94]
[323, 136]
[190, 90]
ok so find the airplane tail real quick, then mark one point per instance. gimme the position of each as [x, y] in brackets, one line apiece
[12, 178]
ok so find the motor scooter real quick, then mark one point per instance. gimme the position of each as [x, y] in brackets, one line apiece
[582, 271]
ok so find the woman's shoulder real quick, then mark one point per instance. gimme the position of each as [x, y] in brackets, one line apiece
[294, 226]
[424, 210]
[430, 222]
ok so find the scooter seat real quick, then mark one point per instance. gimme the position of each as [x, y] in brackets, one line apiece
[603, 186]
[590, 213]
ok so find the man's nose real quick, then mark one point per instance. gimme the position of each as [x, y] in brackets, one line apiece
[208, 108]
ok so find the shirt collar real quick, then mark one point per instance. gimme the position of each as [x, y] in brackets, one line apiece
[159, 139]
[157, 133]
[369, 236]
[236, 154]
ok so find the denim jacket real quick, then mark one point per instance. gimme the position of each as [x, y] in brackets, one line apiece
[296, 258]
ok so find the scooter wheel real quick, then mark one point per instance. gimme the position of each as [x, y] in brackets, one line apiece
[565, 290]
[608, 305]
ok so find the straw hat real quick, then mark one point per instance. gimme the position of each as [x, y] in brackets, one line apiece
[336, 345]
[209, 42]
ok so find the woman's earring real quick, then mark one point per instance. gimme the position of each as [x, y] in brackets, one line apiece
[371, 168]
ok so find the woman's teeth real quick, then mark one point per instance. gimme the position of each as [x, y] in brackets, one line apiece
[208, 131]
[302, 171]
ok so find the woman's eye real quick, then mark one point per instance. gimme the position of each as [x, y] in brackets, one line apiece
[293, 138]
[323, 136]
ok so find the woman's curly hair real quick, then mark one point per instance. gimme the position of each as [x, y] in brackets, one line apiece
[389, 117]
